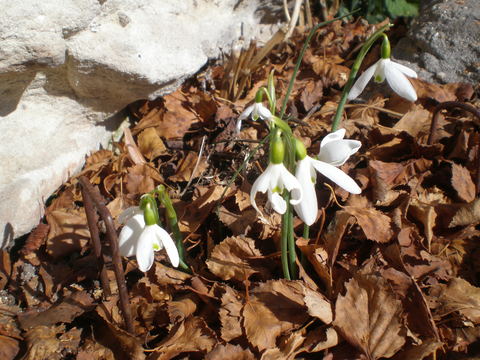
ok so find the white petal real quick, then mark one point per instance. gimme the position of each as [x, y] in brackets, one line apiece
[404, 70]
[145, 248]
[238, 126]
[261, 185]
[246, 113]
[307, 209]
[128, 238]
[337, 176]
[277, 201]
[336, 153]
[399, 83]
[361, 82]
[379, 75]
[334, 136]
[264, 113]
[169, 245]
[128, 213]
[292, 184]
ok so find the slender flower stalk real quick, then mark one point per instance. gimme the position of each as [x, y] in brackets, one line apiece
[141, 235]
[353, 73]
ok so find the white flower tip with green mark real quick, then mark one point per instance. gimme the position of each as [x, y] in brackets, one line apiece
[395, 74]
[275, 179]
[137, 238]
[255, 111]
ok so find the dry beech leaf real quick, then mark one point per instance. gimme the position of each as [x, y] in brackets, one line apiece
[274, 307]
[169, 276]
[289, 346]
[187, 165]
[375, 224]
[192, 335]
[462, 183]
[385, 175]
[463, 297]
[177, 119]
[230, 314]
[318, 306]
[141, 179]
[133, 151]
[230, 352]
[335, 232]
[150, 144]
[368, 316]
[231, 259]
[415, 122]
[8, 348]
[467, 214]
[320, 339]
[240, 223]
[42, 342]
[242, 199]
[426, 214]
[419, 352]
[68, 232]
[65, 311]
[182, 308]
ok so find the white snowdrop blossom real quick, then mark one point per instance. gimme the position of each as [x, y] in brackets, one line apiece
[257, 110]
[334, 151]
[395, 75]
[141, 240]
[273, 180]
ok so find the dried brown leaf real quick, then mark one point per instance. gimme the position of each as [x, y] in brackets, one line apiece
[230, 352]
[374, 223]
[230, 314]
[9, 348]
[187, 165]
[150, 144]
[318, 305]
[133, 151]
[5, 268]
[68, 232]
[463, 297]
[42, 343]
[231, 259]
[182, 308]
[462, 183]
[63, 312]
[368, 316]
[415, 122]
[192, 335]
[466, 214]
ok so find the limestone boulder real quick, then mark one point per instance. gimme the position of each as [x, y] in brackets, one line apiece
[69, 67]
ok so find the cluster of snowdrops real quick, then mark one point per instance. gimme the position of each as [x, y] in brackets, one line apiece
[289, 179]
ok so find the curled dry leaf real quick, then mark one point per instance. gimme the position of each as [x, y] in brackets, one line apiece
[318, 306]
[188, 165]
[182, 308]
[467, 214]
[374, 223]
[230, 352]
[289, 346]
[426, 214]
[368, 317]
[462, 297]
[133, 151]
[231, 259]
[8, 348]
[42, 342]
[192, 335]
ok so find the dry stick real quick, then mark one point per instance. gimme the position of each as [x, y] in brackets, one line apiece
[92, 219]
[99, 203]
[448, 105]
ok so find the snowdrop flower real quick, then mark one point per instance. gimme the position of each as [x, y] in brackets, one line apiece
[338, 151]
[335, 150]
[390, 70]
[275, 179]
[142, 239]
[257, 110]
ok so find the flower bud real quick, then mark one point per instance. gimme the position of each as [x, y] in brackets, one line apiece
[277, 147]
[385, 47]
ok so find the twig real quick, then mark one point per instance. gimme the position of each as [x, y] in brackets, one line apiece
[98, 202]
[448, 105]
[200, 153]
[294, 18]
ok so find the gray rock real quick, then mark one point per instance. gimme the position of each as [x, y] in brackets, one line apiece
[443, 43]
[68, 68]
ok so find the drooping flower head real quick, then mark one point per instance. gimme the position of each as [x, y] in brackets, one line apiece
[276, 178]
[393, 72]
[255, 111]
[141, 236]
[334, 151]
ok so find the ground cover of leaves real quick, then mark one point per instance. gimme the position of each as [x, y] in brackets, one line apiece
[390, 273]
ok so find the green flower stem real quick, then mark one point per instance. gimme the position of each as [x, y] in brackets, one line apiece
[300, 57]
[284, 242]
[292, 254]
[353, 73]
[173, 223]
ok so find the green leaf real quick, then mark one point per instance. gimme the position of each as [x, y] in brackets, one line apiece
[402, 8]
